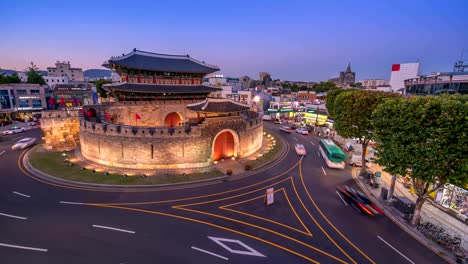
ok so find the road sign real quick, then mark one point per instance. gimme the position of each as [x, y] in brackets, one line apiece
[270, 196]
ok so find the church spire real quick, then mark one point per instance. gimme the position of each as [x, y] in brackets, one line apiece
[348, 69]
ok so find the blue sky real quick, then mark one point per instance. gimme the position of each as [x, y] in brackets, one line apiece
[293, 40]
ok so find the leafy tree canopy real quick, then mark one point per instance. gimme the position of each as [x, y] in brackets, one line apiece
[13, 78]
[426, 138]
[33, 75]
[331, 99]
[100, 90]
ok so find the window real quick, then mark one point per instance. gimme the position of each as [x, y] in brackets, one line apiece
[36, 103]
[4, 100]
[61, 70]
[53, 80]
[35, 92]
[23, 103]
[21, 92]
[63, 80]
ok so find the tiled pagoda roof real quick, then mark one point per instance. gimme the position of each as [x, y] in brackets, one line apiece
[143, 60]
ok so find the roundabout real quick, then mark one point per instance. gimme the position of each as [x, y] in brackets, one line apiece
[214, 222]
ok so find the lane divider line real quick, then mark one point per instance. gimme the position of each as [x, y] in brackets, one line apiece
[14, 216]
[115, 229]
[324, 171]
[312, 143]
[395, 250]
[62, 202]
[22, 247]
[341, 198]
[1, 153]
[22, 194]
[210, 253]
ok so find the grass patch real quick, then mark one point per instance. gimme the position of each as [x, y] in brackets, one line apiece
[270, 155]
[53, 163]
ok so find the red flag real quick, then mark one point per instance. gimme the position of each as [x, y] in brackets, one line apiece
[89, 113]
[62, 101]
[82, 110]
[137, 116]
[51, 101]
[107, 116]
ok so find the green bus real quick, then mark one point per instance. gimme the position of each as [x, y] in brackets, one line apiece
[332, 154]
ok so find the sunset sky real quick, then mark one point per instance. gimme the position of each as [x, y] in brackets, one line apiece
[293, 40]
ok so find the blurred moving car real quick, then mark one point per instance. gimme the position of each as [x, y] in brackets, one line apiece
[13, 130]
[300, 150]
[355, 161]
[32, 123]
[302, 131]
[278, 121]
[286, 129]
[358, 200]
[23, 143]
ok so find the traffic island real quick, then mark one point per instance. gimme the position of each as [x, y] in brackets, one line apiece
[66, 166]
[270, 151]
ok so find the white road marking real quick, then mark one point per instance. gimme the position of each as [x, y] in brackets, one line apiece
[14, 216]
[22, 194]
[312, 143]
[62, 202]
[395, 250]
[324, 171]
[17, 138]
[342, 198]
[21, 247]
[250, 251]
[211, 253]
[1, 153]
[294, 138]
[115, 229]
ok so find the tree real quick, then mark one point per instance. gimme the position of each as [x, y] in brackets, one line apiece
[324, 87]
[426, 138]
[331, 99]
[33, 75]
[353, 116]
[102, 93]
[13, 78]
[358, 84]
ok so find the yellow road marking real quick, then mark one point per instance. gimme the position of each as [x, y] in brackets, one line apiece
[326, 219]
[308, 233]
[213, 225]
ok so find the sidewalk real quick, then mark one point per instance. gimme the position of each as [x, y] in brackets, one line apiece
[429, 212]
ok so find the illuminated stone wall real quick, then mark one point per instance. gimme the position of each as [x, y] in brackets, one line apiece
[156, 148]
[60, 130]
[152, 113]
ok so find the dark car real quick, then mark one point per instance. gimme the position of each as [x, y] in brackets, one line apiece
[358, 200]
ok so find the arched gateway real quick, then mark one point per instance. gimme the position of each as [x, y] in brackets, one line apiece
[225, 145]
[172, 119]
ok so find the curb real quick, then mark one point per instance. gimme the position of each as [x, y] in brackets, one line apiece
[402, 225]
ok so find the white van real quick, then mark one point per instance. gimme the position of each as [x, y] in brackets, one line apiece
[355, 161]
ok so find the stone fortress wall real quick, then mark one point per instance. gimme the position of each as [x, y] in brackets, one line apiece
[60, 129]
[159, 147]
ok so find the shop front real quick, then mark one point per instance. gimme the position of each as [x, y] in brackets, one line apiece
[453, 197]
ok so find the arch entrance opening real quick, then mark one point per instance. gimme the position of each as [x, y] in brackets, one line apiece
[172, 119]
[224, 146]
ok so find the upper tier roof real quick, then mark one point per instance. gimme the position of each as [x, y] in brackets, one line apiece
[143, 60]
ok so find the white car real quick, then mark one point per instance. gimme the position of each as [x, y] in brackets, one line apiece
[13, 130]
[300, 150]
[23, 143]
[302, 131]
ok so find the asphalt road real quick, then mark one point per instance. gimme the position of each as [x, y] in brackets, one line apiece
[223, 222]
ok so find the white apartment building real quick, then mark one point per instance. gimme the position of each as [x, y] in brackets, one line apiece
[52, 81]
[402, 72]
[63, 69]
[372, 83]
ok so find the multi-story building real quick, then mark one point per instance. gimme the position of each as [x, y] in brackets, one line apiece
[265, 78]
[373, 83]
[74, 94]
[22, 97]
[438, 83]
[63, 68]
[52, 81]
[402, 72]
